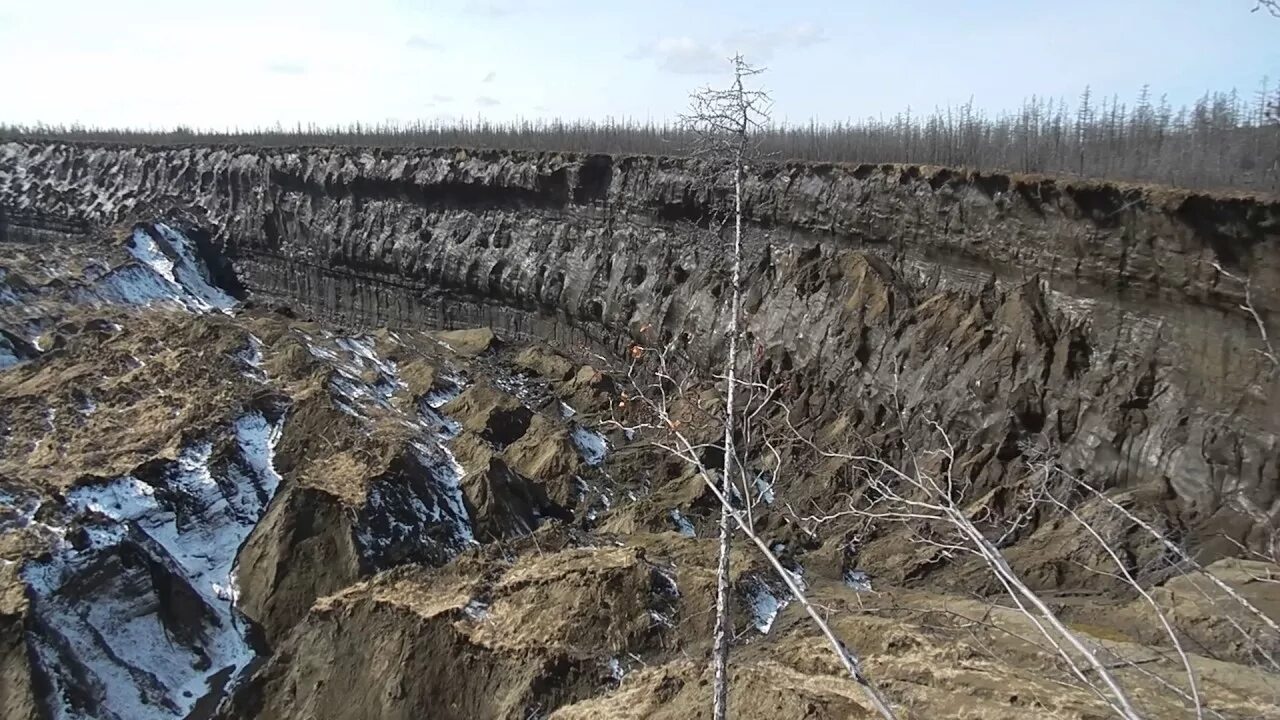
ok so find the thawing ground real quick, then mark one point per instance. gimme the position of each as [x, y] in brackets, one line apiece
[140, 453]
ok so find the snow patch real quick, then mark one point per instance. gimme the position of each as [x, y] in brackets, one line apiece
[764, 486]
[251, 357]
[169, 271]
[126, 650]
[591, 445]
[477, 610]
[447, 388]
[190, 271]
[858, 580]
[764, 605]
[352, 360]
[683, 526]
[8, 358]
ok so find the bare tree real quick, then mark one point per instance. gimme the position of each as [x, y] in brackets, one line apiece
[724, 124]
[658, 382]
[934, 505]
[1268, 350]
[1271, 6]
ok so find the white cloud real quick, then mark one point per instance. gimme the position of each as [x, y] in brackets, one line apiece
[496, 8]
[284, 67]
[686, 55]
[490, 77]
[683, 55]
[418, 42]
[759, 46]
[486, 101]
[441, 98]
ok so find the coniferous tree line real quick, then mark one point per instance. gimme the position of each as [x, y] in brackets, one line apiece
[1223, 139]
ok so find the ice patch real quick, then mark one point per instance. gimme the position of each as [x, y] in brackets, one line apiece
[251, 357]
[447, 388]
[177, 276]
[477, 610]
[764, 486]
[419, 514]
[591, 445]
[126, 651]
[257, 439]
[143, 247]
[683, 526]
[858, 580]
[764, 605]
[190, 271]
[132, 285]
[8, 358]
[362, 348]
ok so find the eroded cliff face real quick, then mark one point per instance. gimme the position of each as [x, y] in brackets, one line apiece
[1097, 325]
[1094, 318]
[182, 476]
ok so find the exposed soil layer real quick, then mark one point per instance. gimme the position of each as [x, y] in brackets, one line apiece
[335, 434]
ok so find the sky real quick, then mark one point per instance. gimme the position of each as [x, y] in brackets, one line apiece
[252, 63]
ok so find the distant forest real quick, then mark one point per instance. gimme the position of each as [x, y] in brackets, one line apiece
[1223, 140]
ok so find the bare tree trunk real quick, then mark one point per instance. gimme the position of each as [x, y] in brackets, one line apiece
[720, 640]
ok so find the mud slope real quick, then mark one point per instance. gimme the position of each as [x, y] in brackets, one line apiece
[1088, 316]
[413, 520]
[182, 476]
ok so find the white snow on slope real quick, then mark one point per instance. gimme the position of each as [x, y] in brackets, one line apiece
[683, 526]
[419, 513]
[190, 271]
[166, 272]
[764, 605]
[251, 357]
[446, 389]
[591, 445]
[141, 649]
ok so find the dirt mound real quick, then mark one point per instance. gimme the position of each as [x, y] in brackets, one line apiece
[475, 640]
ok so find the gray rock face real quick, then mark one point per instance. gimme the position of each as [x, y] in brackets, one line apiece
[1018, 312]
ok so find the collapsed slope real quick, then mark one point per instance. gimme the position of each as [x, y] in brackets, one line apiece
[1093, 324]
[1103, 312]
[181, 477]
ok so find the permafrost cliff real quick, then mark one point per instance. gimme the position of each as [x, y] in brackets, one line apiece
[1104, 325]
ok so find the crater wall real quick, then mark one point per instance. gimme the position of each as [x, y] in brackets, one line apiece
[1101, 321]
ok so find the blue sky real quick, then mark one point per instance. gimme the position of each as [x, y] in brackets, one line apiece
[255, 62]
